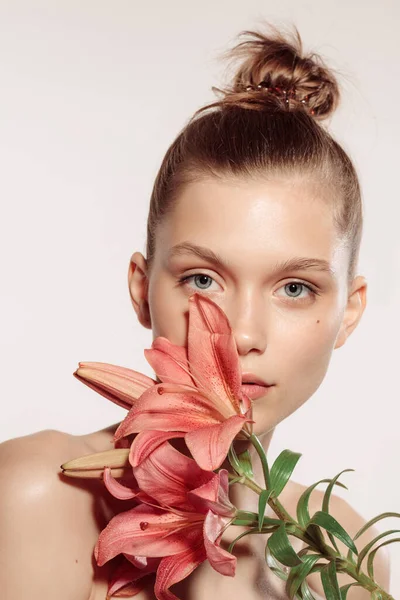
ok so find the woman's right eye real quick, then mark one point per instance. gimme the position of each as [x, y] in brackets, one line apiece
[201, 279]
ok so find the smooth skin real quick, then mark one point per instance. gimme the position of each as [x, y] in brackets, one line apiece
[286, 325]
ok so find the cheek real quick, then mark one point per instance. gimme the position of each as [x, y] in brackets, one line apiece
[301, 362]
[307, 357]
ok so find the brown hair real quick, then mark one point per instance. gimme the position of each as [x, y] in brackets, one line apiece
[254, 133]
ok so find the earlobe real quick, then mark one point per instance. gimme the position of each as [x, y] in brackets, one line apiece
[138, 288]
[353, 312]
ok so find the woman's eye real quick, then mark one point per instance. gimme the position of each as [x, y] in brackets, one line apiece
[201, 280]
[294, 288]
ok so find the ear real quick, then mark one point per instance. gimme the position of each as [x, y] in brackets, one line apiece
[138, 288]
[356, 303]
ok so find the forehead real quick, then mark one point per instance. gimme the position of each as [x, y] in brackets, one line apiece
[253, 220]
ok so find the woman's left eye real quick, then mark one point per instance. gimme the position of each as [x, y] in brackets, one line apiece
[292, 288]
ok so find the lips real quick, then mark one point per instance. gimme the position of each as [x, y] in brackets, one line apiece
[254, 391]
[248, 377]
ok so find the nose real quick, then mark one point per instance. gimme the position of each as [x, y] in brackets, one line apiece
[248, 320]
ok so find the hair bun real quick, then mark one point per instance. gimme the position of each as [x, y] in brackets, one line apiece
[289, 79]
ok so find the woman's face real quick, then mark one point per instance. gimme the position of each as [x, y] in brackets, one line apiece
[286, 321]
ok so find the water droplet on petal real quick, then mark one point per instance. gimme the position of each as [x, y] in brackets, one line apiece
[143, 525]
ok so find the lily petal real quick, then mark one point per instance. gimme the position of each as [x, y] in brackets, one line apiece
[138, 561]
[173, 569]
[213, 496]
[169, 361]
[181, 410]
[167, 475]
[119, 384]
[209, 446]
[212, 350]
[145, 531]
[127, 579]
[117, 489]
[120, 589]
[223, 490]
[146, 442]
[222, 561]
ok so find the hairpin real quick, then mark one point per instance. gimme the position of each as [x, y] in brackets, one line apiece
[287, 93]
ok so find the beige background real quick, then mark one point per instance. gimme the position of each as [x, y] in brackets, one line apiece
[92, 93]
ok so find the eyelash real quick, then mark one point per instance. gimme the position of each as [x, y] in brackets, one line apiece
[184, 280]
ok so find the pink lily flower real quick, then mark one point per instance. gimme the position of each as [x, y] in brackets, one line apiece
[199, 397]
[181, 520]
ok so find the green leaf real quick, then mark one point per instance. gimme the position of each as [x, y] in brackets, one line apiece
[262, 502]
[306, 592]
[370, 523]
[263, 458]
[274, 564]
[370, 563]
[350, 557]
[317, 568]
[298, 574]
[326, 499]
[303, 516]
[328, 491]
[330, 524]
[345, 588]
[282, 549]
[245, 464]
[282, 469]
[363, 553]
[375, 520]
[314, 532]
[329, 582]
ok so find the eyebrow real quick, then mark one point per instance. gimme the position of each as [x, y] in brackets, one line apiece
[297, 263]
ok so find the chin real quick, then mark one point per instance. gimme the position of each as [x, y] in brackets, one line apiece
[266, 419]
[260, 432]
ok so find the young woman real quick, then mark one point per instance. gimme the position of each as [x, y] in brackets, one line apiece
[258, 208]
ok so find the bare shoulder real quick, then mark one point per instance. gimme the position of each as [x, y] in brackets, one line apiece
[30, 465]
[43, 447]
[48, 524]
[352, 521]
